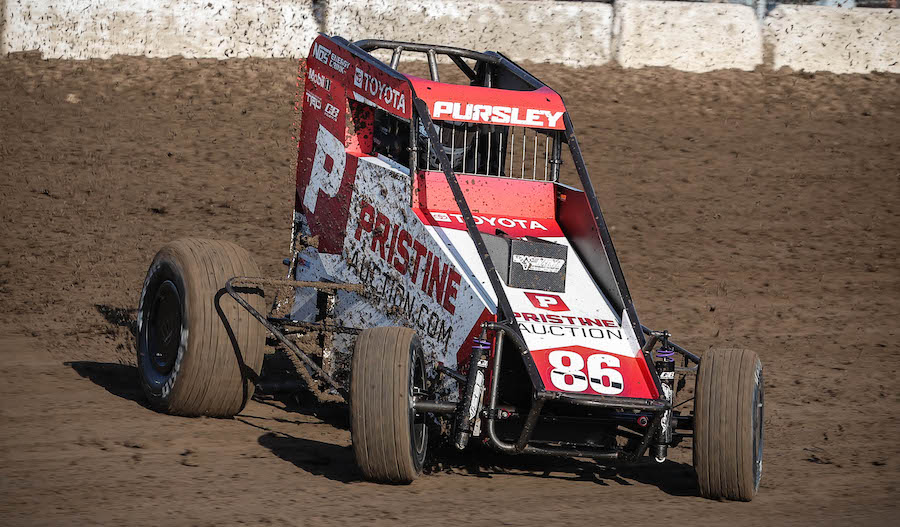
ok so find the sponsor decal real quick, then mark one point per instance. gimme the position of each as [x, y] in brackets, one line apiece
[379, 90]
[494, 221]
[321, 53]
[328, 167]
[314, 100]
[568, 372]
[538, 263]
[332, 111]
[319, 79]
[400, 297]
[410, 257]
[568, 326]
[484, 113]
[547, 301]
[329, 58]
[339, 63]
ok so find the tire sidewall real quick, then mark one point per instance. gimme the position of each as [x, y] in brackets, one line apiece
[158, 387]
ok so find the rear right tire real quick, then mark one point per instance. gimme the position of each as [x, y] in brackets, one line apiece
[389, 438]
[728, 424]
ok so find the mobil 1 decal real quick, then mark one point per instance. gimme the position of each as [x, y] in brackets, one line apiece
[405, 272]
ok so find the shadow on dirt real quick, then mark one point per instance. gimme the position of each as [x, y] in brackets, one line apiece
[673, 478]
[337, 463]
[316, 457]
[304, 403]
[118, 379]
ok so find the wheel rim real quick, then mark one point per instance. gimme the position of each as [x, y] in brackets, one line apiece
[417, 425]
[164, 328]
[757, 432]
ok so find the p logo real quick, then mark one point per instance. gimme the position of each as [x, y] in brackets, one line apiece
[547, 302]
[327, 169]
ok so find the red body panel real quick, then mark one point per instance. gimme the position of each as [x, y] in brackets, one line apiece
[515, 206]
[334, 76]
[541, 108]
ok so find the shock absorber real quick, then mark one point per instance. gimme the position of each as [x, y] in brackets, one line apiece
[470, 406]
[665, 366]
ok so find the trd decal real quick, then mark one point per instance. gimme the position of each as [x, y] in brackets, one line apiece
[547, 301]
[314, 100]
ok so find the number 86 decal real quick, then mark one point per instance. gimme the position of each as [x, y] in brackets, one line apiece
[601, 373]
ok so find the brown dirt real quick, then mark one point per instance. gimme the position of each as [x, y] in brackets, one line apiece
[759, 210]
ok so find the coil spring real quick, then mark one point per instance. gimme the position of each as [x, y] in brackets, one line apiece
[665, 354]
[480, 344]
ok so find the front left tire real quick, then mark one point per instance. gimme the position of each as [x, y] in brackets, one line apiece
[389, 438]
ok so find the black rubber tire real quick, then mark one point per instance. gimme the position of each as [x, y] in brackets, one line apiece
[728, 424]
[210, 365]
[389, 439]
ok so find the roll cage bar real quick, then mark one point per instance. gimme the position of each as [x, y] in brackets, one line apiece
[454, 54]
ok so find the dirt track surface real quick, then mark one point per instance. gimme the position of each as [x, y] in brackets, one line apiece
[757, 210]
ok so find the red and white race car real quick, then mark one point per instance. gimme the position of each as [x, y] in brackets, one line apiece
[441, 271]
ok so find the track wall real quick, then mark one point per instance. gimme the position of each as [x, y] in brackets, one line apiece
[813, 38]
[688, 36]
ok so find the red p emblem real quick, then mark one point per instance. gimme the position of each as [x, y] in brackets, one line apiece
[547, 302]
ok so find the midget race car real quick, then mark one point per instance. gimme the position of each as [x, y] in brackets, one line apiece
[443, 281]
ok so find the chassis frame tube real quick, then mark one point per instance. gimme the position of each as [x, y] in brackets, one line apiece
[690, 356]
[434, 407]
[249, 281]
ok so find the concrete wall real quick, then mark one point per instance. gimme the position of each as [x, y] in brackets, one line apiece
[815, 38]
[2, 27]
[687, 36]
[635, 33]
[571, 33]
[81, 29]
